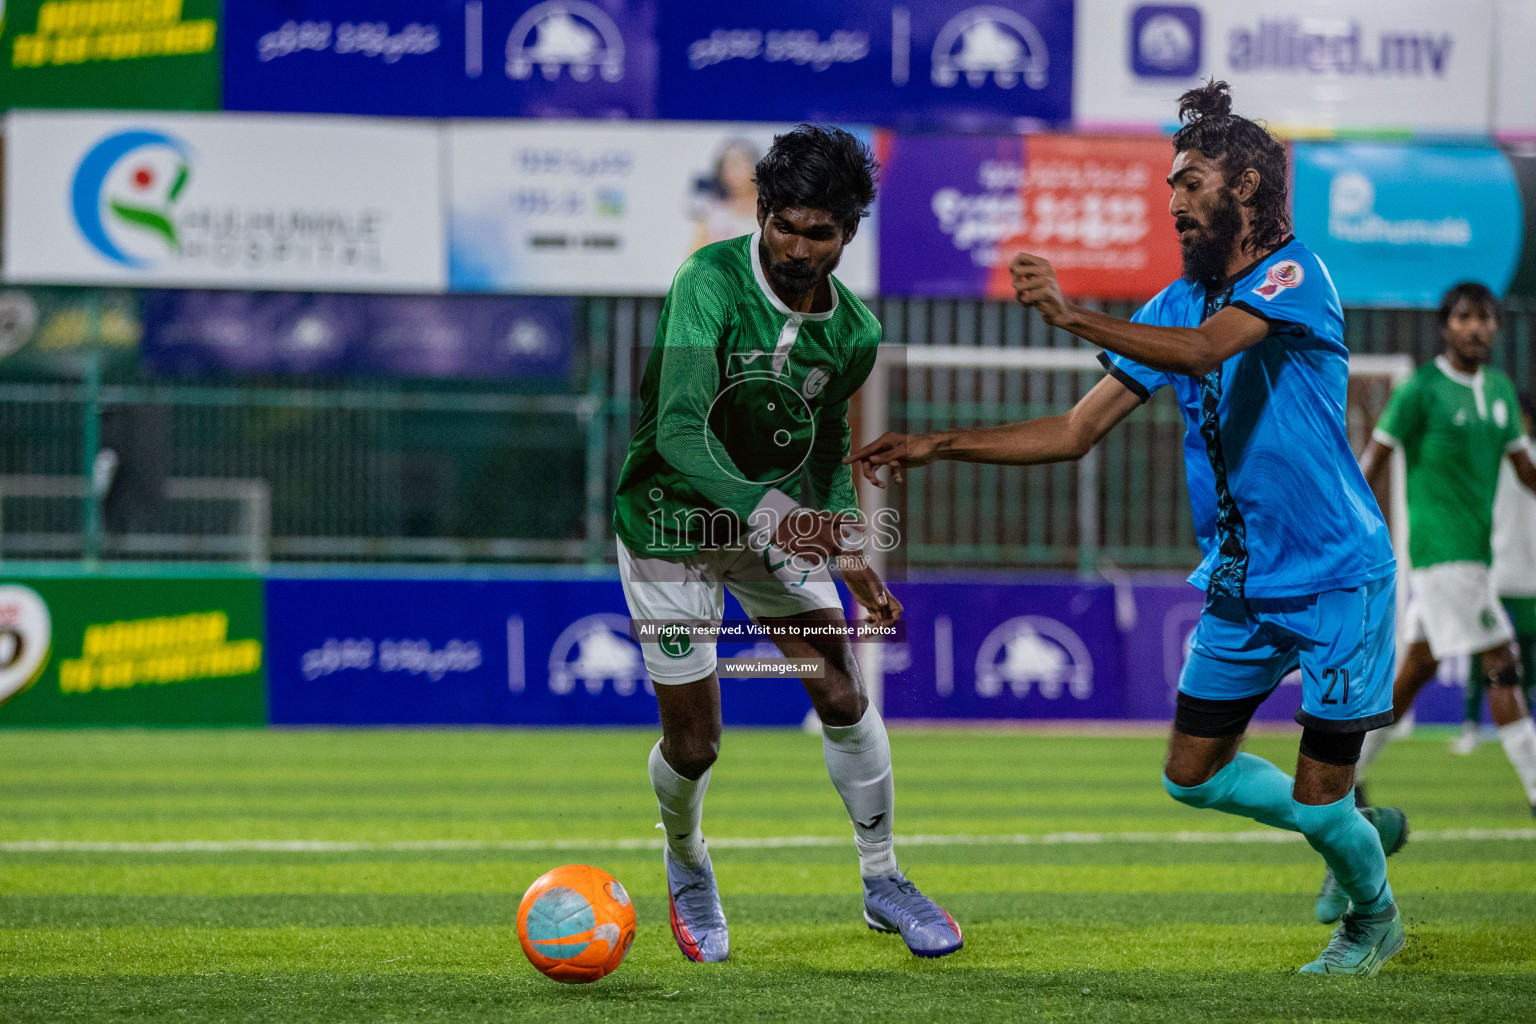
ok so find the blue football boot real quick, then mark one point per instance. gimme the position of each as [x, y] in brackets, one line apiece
[893, 904]
[698, 922]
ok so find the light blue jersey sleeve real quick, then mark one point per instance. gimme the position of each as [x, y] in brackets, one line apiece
[1293, 290]
[1142, 381]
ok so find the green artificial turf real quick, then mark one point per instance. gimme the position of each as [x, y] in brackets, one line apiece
[1130, 918]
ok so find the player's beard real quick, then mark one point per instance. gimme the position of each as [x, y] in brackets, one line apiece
[1209, 249]
[795, 278]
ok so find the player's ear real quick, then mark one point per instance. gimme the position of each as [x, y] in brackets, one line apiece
[849, 230]
[1247, 184]
[762, 213]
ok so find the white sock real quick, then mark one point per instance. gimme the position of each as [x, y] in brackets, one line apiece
[859, 761]
[1519, 739]
[1375, 740]
[682, 809]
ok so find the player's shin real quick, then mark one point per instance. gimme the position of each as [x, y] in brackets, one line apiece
[682, 809]
[1351, 847]
[1248, 786]
[859, 762]
[1519, 741]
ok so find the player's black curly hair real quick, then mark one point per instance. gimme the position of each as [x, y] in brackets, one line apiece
[821, 168]
[1209, 126]
[1475, 293]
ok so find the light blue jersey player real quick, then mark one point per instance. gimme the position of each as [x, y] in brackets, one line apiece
[1297, 563]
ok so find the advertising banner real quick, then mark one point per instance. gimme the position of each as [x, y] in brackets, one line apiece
[221, 200]
[47, 332]
[1523, 164]
[1095, 207]
[1305, 66]
[980, 650]
[1514, 83]
[443, 58]
[571, 208]
[132, 652]
[944, 62]
[191, 332]
[1398, 225]
[136, 54]
[508, 652]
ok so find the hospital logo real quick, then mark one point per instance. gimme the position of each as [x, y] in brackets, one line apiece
[1032, 651]
[124, 196]
[569, 34]
[594, 651]
[1165, 41]
[990, 42]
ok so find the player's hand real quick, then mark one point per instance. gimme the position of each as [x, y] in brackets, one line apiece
[817, 535]
[898, 451]
[1034, 284]
[867, 588]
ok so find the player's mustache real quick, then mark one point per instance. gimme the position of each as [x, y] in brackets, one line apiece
[794, 269]
[1182, 224]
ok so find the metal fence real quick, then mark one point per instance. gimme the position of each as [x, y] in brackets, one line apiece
[395, 471]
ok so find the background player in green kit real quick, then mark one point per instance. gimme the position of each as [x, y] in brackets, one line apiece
[1514, 577]
[734, 478]
[1456, 420]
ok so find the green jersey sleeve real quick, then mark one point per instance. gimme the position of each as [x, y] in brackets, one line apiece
[699, 308]
[829, 481]
[1514, 428]
[1402, 422]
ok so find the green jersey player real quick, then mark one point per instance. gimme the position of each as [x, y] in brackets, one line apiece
[1456, 421]
[734, 479]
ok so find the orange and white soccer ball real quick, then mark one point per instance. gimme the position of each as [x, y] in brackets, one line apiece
[576, 923]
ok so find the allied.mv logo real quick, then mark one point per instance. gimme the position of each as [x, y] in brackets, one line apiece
[1034, 651]
[990, 41]
[125, 193]
[1165, 41]
[570, 34]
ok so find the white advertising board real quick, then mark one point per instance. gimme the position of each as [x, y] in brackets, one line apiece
[1306, 66]
[605, 209]
[223, 201]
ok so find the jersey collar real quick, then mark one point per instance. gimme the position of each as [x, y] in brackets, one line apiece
[1217, 287]
[1466, 380]
[778, 304]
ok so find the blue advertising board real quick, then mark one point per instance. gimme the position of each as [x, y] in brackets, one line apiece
[443, 58]
[466, 652]
[458, 336]
[946, 62]
[1398, 225]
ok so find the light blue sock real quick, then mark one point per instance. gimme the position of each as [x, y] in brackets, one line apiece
[1352, 849]
[1249, 786]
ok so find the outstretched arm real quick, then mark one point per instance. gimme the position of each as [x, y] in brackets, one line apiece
[1193, 351]
[1048, 439]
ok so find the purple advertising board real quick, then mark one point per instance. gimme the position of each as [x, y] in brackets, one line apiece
[457, 336]
[443, 58]
[945, 62]
[467, 652]
[984, 650]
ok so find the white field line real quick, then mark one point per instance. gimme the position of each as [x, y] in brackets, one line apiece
[724, 843]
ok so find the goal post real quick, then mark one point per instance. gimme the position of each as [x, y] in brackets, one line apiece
[904, 364]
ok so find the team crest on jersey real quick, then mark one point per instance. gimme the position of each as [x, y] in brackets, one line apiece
[1283, 275]
[814, 382]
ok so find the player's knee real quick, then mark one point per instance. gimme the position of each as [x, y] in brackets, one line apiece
[1189, 783]
[692, 756]
[1501, 669]
[1340, 749]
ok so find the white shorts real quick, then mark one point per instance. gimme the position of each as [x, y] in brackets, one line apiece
[1454, 606]
[690, 588]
